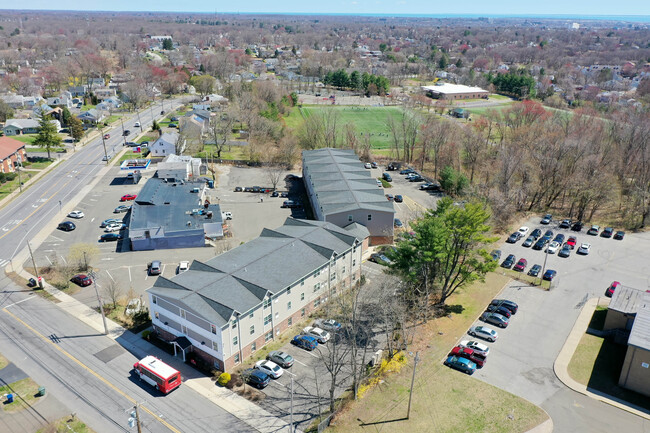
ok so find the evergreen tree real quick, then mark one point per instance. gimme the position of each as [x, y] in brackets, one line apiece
[76, 128]
[48, 136]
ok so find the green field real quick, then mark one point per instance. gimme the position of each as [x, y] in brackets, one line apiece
[29, 138]
[367, 120]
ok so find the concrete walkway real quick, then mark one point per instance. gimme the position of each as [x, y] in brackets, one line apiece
[562, 363]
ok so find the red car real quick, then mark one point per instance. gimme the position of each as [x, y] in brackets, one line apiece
[467, 353]
[611, 289]
[571, 242]
[128, 197]
[107, 136]
[521, 265]
[82, 280]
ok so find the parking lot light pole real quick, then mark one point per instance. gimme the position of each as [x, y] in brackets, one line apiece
[415, 364]
[541, 278]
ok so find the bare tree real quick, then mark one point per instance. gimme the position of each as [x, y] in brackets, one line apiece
[219, 130]
[82, 256]
[113, 292]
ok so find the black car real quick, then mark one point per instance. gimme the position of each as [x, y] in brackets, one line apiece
[500, 309]
[407, 171]
[577, 226]
[534, 271]
[559, 238]
[549, 275]
[565, 224]
[67, 226]
[539, 244]
[607, 233]
[496, 255]
[548, 235]
[275, 194]
[387, 177]
[256, 378]
[417, 178]
[399, 198]
[536, 233]
[283, 359]
[126, 132]
[291, 204]
[509, 261]
[619, 235]
[512, 306]
[513, 238]
[110, 237]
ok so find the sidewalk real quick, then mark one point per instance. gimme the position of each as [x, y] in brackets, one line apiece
[562, 363]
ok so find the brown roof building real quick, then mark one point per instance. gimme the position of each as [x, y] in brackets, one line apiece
[10, 151]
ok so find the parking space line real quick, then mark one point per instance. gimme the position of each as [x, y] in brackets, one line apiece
[48, 259]
[64, 261]
[278, 383]
[130, 279]
[109, 274]
[58, 239]
[304, 365]
[293, 374]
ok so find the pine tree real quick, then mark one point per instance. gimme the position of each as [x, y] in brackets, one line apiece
[48, 136]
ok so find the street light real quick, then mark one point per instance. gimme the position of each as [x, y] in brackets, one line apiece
[19, 160]
[101, 131]
[93, 275]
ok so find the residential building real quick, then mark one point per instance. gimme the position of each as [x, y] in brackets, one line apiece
[166, 145]
[92, 116]
[454, 91]
[230, 306]
[192, 126]
[343, 192]
[11, 151]
[635, 374]
[173, 214]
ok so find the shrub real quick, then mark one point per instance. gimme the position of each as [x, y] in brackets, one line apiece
[224, 378]
[146, 334]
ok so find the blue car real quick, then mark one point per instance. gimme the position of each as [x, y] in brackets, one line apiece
[306, 342]
[461, 364]
[549, 274]
[256, 378]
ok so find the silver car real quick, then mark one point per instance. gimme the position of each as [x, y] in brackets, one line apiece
[495, 319]
[483, 332]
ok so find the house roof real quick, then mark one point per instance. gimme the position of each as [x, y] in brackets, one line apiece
[22, 123]
[167, 137]
[640, 333]
[448, 88]
[9, 146]
[340, 182]
[626, 300]
[239, 280]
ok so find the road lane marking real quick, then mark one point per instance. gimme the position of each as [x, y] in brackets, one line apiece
[130, 274]
[91, 371]
[31, 296]
[64, 261]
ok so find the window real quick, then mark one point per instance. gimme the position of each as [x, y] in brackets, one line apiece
[333, 277]
[277, 315]
[266, 303]
[154, 299]
[316, 287]
[233, 324]
[317, 302]
[253, 346]
[290, 321]
[317, 273]
[267, 320]
[302, 313]
[213, 328]
[268, 336]
[288, 290]
[183, 314]
[215, 346]
[236, 358]
[350, 218]
[184, 329]
[302, 282]
[234, 341]
[354, 262]
[343, 270]
[252, 329]
[250, 316]
[369, 217]
[302, 296]
[289, 305]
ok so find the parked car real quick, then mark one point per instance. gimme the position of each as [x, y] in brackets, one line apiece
[374, 165]
[461, 364]
[528, 242]
[380, 259]
[107, 136]
[546, 219]
[270, 368]
[513, 238]
[416, 178]
[82, 280]
[608, 232]
[290, 204]
[593, 230]
[539, 244]
[155, 267]
[521, 265]
[226, 215]
[306, 342]
[390, 197]
[174, 119]
[584, 248]
[495, 319]
[510, 305]
[387, 177]
[523, 230]
[110, 237]
[110, 221]
[330, 325]
[565, 224]
[577, 226]
[500, 309]
[559, 238]
[67, 226]
[321, 336]
[552, 247]
[128, 197]
[509, 261]
[398, 198]
[496, 255]
[283, 359]
[407, 171]
[114, 227]
[137, 124]
[565, 251]
[612, 288]
[367, 165]
[619, 235]
[534, 271]
[173, 125]
[476, 346]
[121, 208]
[183, 266]
[126, 133]
[256, 378]
[483, 332]
[238, 189]
[549, 275]
[107, 157]
[548, 235]
[467, 353]
[398, 223]
[571, 242]
[76, 214]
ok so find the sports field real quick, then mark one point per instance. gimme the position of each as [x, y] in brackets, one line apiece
[367, 120]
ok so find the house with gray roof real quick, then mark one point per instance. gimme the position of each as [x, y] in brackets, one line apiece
[166, 145]
[20, 127]
[343, 192]
[173, 214]
[230, 306]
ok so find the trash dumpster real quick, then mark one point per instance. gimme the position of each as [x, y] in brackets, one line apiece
[210, 184]
[41, 391]
[10, 398]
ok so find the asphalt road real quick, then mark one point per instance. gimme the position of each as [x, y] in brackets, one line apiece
[23, 217]
[91, 373]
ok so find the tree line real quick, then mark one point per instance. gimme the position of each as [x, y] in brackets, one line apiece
[369, 84]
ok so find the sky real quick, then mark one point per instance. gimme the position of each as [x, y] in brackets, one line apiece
[414, 7]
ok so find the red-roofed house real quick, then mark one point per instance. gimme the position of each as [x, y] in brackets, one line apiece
[9, 151]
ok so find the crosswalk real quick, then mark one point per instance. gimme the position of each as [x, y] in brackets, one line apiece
[3, 263]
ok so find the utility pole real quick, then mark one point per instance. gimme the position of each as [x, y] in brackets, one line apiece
[99, 301]
[123, 135]
[415, 364]
[104, 144]
[141, 130]
[541, 275]
[19, 160]
[137, 418]
[291, 415]
[33, 261]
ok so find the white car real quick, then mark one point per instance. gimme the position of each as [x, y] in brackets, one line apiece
[270, 368]
[137, 124]
[483, 332]
[320, 335]
[183, 266]
[584, 248]
[379, 183]
[523, 230]
[76, 214]
[226, 215]
[476, 346]
[113, 227]
[367, 165]
[552, 247]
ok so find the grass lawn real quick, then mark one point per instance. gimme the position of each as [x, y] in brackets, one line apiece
[87, 107]
[149, 138]
[8, 187]
[24, 391]
[43, 150]
[112, 119]
[444, 400]
[38, 165]
[230, 152]
[482, 111]
[131, 155]
[597, 363]
[367, 120]
[29, 138]
[66, 425]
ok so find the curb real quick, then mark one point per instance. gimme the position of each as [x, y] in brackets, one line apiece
[561, 364]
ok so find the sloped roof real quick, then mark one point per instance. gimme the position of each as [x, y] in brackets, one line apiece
[239, 280]
[22, 123]
[626, 300]
[640, 333]
[9, 146]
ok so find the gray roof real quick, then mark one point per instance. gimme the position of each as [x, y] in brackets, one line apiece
[238, 280]
[170, 205]
[640, 333]
[341, 183]
[22, 123]
[626, 300]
